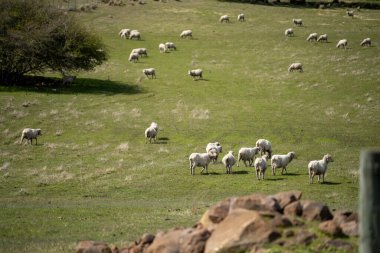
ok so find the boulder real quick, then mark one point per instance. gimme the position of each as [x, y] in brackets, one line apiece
[92, 247]
[256, 202]
[285, 198]
[315, 211]
[331, 228]
[293, 209]
[350, 228]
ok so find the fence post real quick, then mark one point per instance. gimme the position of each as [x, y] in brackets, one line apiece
[369, 201]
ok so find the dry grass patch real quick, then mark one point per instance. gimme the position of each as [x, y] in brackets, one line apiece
[200, 114]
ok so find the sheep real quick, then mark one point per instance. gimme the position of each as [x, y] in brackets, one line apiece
[170, 45]
[342, 43]
[319, 167]
[224, 18]
[312, 36]
[141, 51]
[241, 17]
[281, 161]
[29, 134]
[124, 33]
[265, 147]
[297, 21]
[150, 72]
[133, 57]
[247, 154]
[350, 13]
[216, 147]
[186, 33]
[261, 166]
[200, 160]
[150, 133]
[289, 32]
[135, 35]
[68, 80]
[322, 37]
[154, 125]
[229, 160]
[195, 73]
[366, 42]
[295, 66]
[162, 47]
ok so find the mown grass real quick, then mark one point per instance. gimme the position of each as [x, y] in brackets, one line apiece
[92, 176]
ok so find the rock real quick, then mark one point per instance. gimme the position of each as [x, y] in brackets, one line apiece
[286, 198]
[92, 247]
[293, 209]
[256, 202]
[350, 228]
[140, 246]
[289, 233]
[304, 237]
[339, 244]
[281, 221]
[196, 242]
[331, 228]
[315, 211]
[219, 211]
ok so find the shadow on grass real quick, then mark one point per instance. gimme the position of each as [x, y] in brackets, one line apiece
[240, 172]
[291, 174]
[162, 140]
[274, 179]
[330, 183]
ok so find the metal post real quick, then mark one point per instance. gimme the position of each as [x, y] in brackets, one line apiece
[369, 201]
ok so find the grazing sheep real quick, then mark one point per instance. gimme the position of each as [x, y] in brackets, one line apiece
[133, 57]
[29, 134]
[141, 51]
[124, 33]
[281, 161]
[195, 73]
[297, 21]
[350, 13]
[312, 37]
[295, 66]
[322, 37]
[150, 72]
[162, 47]
[68, 80]
[247, 154]
[150, 133]
[135, 35]
[200, 160]
[342, 43]
[224, 18]
[319, 168]
[241, 17]
[217, 149]
[229, 160]
[289, 32]
[265, 147]
[261, 166]
[170, 45]
[366, 42]
[186, 33]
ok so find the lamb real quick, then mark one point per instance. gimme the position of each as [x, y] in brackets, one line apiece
[322, 37]
[135, 35]
[289, 32]
[319, 168]
[265, 147]
[224, 18]
[68, 80]
[241, 17]
[133, 57]
[124, 33]
[312, 36]
[170, 45]
[162, 47]
[200, 160]
[247, 154]
[342, 43]
[295, 66]
[229, 160]
[150, 72]
[29, 134]
[281, 161]
[186, 33]
[297, 21]
[261, 166]
[366, 42]
[151, 133]
[141, 51]
[350, 13]
[195, 73]
[216, 147]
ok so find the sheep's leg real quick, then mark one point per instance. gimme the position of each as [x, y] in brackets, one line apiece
[323, 177]
[257, 174]
[273, 170]
[262, 174]
[36, 141]
[245, 163]
[319, 178]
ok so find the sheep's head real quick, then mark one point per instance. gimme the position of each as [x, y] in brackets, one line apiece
[265, 157]
[292, 155]
[213, 153]
[39, 132]
[328, 158]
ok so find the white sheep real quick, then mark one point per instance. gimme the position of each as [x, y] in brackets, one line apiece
[150, 133]
[312, 37]
[135, 35]
[342, 43]
[241, 17]
[216, 147]
[297, 21]
[124, 33]
[224, 18]
[366, 42]
[229, 160]
[170, 45]
[261, 166]
[350, 13]
[141, 51]
[200, 160]
[247, 154]
[195, 73]
[322, 37]
[29, 134]
[154, 125]
[295, 66]
[150, 72]
[162, 47]
[319, 167]
[265, 147]
[68, 80]
[133, 57]
[186, 33]
[289, 32]
[281, 161]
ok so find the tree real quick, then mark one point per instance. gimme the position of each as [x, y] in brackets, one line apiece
[35, 38]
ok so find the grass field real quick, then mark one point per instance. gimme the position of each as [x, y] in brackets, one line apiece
[91, 176]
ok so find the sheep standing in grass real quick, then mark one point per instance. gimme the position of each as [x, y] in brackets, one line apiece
[350, 13]
[150, 72]
[135, 35]
[312, 37]
[295, 66]
[322, 37]
[170, 45]
[241, 17]
[224, 18]
[297, 21]
[186, 33]
[265, 147]
[281, 161]
[247, 154]
[162, 47]
[200, 160]
[68, 80]
[261, 166]
[141, 51]
[217, 149]
[289, 32]
[366, 42]
[133, 57]
[342, 44]
[124, 33]
[319, 167]
[229, 160]
[195, 73]
[29, 134]
[150, 133]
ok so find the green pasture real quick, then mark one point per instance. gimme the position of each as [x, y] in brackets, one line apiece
[92, 176]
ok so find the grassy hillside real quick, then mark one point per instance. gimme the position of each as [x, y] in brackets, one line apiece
[91, 176]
